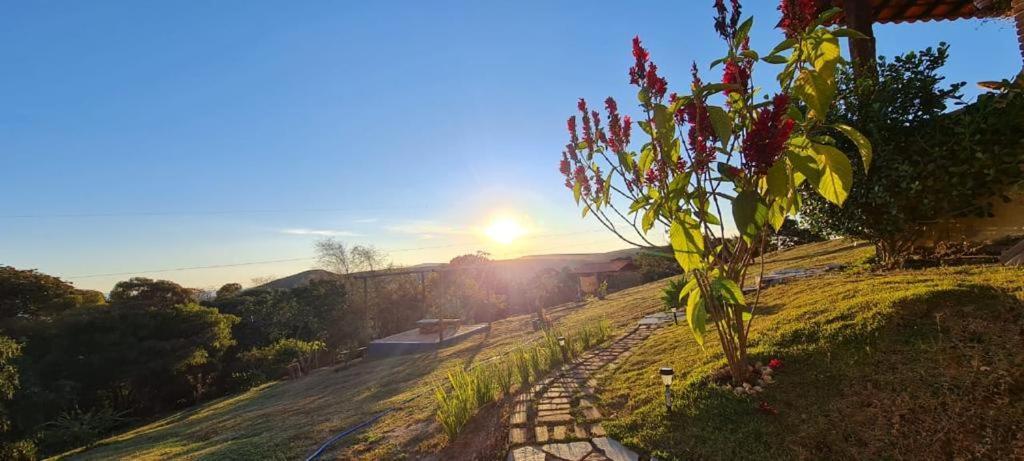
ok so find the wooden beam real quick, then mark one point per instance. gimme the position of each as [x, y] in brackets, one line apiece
[860, 17]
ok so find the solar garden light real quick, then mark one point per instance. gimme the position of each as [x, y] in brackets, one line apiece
[674, 318]
[561, 345]
[666, 378]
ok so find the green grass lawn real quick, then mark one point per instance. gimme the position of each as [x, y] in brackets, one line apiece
[924, 364]
[289, 419]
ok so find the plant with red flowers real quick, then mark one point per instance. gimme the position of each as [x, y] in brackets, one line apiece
[747, 154]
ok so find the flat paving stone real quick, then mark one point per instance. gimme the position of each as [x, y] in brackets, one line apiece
[553, 406]
[541, 432]
[526, 454]
[518, 418]
[517, 435]
[614, 450]
[559, 433]
[554, 419]
[572, 451]
[596, 430]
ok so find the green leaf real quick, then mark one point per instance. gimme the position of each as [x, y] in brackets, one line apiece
[784, 45]
[648, 219]
[721, 123]
[775, 59]
[750, 213]
[576, 191]
[777, 212]
[836, 174]
[816, 92]
[716, 63]
[586, 210]
[639, 203]
[779, 183]
[750, 54]
[729, 291]
[747, 316]
[688, 288]
[863, 145]
[848, 33]
[687, 242]
[697, 316]
[743, 31]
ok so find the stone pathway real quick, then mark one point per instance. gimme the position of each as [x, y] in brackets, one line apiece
[557, 420]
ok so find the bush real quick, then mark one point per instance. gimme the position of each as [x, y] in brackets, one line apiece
[282, 357]
[929, 165]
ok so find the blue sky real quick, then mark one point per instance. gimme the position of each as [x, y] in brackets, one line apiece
[139, 136]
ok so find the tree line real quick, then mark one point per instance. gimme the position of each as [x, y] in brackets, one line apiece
[77, 365]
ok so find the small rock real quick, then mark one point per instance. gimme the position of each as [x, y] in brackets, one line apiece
[758, 389]
[984, 368]
[746, 385]
[738, 390]
[768, 379]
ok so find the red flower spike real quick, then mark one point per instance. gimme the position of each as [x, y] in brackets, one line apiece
[764, 143]
[797, 15]
[775, 364]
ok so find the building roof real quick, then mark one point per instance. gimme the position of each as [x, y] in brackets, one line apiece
[615, 265]
[897, 11]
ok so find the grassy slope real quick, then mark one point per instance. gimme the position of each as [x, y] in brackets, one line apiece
[289, 419]
[913, 364]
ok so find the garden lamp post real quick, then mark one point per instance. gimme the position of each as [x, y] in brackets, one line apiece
[674, 318]
[666, 378]
[561, 346]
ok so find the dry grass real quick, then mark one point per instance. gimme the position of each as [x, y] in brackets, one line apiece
[289, 419]
[900, 365]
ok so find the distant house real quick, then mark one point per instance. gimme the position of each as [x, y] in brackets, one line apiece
[619, 273]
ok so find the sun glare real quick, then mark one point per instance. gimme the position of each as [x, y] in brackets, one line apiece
[504, 230]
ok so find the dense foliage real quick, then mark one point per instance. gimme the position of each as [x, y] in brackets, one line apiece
[749, 155]
[929, 164]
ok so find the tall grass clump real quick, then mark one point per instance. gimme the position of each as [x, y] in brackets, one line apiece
[456, 406]
[504, 375]
[472, 389]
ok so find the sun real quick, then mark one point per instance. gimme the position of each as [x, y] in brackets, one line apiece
[504, 230]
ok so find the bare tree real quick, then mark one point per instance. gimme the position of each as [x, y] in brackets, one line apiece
[333, 255]
[337, 257]
[367, 258]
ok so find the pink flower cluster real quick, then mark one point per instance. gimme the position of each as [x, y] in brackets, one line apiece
[766, 139]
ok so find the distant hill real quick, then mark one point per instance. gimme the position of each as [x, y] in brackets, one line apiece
[523, 266]
[298, 280]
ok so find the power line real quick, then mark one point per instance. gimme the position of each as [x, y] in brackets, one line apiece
[109, 214]
[274, 261]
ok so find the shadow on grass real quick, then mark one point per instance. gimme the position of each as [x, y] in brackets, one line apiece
[927, 376]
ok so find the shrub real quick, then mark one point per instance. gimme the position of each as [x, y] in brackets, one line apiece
[670, 295]
[929, 164]
[759, 147]
[274, 360]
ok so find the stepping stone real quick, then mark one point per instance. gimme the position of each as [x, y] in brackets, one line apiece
[591, 414]
[553, 406]
[518, 418]
[555, 419]
[554, 401]
[572, 451]
[595, 456]
[559, 433]
[542, 414]
[517, 435]
[542, 433]
[596, 430]
[526, 454]
[579, 432]
[613, 450]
